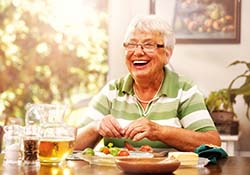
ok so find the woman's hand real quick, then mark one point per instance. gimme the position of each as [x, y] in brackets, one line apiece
[109, 127]
[142, 128]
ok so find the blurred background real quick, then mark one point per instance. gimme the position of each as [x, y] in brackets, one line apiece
[51, 51]
[61, 51]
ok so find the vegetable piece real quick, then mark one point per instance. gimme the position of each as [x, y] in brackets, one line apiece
[110, 149]
[114, 151]
[88, 151]
[129, 146]
[105, 150]
[146, 148]
[110, 145]
[123, 152]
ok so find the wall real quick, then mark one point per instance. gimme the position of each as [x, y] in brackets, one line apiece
[206, 64]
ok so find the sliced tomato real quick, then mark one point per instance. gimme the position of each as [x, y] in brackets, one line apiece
[105, 150]
[129, 146]
[146, 148]
[123, 152]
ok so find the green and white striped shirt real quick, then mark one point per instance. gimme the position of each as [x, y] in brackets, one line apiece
[179, 103]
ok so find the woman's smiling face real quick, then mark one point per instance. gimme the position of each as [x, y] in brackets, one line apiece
[143, 64]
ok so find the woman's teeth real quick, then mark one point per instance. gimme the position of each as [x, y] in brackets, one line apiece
[140, 62]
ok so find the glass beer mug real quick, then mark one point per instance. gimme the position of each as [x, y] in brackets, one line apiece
[56, 137]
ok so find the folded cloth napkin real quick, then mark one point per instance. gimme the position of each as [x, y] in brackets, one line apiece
[212, 152]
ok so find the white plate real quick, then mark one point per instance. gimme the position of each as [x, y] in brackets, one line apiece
[108, 160]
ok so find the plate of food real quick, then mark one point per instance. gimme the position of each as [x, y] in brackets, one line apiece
[153, 165]
[107, 155]
[108, 160]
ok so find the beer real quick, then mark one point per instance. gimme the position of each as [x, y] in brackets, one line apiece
[55, 150]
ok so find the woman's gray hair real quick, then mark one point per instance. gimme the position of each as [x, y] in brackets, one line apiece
[152, 23]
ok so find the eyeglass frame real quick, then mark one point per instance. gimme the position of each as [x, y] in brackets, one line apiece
[142, 45]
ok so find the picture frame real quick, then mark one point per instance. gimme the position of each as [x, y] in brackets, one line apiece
[207, 21]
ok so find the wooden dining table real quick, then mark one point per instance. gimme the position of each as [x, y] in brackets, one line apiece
[228, 166]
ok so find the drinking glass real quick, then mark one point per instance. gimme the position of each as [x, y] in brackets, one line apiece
[13, 142]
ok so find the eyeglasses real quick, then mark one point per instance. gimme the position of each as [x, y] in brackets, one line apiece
[146, 47]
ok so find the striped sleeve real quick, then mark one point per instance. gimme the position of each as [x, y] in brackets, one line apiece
[100, 104]
[193, 113]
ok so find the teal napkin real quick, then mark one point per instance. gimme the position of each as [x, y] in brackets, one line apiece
[213, 153]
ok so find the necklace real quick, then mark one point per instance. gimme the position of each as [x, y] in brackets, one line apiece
[147, 101]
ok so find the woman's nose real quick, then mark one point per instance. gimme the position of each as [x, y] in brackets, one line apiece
[138, 51]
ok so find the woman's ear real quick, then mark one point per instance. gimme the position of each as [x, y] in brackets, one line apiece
[169, 52]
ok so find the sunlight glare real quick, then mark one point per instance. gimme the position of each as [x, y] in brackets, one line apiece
[69, 16]
[66, 171]
[42, 48]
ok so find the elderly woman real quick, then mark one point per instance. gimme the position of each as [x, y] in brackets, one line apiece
[151, 105]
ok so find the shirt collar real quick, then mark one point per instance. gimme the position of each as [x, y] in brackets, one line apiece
[169, 85]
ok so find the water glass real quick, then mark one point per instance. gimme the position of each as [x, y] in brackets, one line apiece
[13, 141]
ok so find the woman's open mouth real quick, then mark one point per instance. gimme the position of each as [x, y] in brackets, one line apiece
[140, 62]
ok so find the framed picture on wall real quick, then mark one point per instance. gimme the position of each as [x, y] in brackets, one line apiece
[207, 21]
